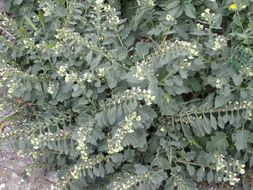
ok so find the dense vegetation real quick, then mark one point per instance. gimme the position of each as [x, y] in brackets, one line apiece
[132, 94]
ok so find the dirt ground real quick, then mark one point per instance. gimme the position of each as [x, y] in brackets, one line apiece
[13, 168]
[13, 176]
[1, 5]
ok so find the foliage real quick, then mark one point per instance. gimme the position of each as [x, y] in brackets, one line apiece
[133, 94]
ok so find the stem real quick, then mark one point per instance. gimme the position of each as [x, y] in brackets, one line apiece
[239, 20]
[191, 163]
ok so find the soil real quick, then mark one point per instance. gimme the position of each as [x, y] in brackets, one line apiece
[13, 168]
[13, 176]
[1, 6]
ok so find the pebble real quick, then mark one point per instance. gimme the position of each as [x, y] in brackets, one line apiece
[2, 186]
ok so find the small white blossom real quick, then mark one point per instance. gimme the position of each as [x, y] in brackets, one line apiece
[219, 84]
[51, 88]
[169, 18]
[199, 26]
[219, 43]
[139, 70]
[71, 77]
[115, 144]
[101, 72]
[206, 15]
[62, 70]
[88, 77]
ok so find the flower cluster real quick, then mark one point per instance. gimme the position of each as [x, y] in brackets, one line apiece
[113, 19]
[231, 169]
[98, 2]
[71, 77]
[139, 70]
[169, 18]
[127, 181]
[88, 77]
[190, 49]
[134, 93]
[219, 84]
[115, 144]
[207, 16]
[239, 105]
[38, 141]
[199, 27]
[247, 70]
[219, 43]
[28, 43]
[67, 35]
[51, 88]
[150, 3]
[185, 64]
[76, 171]
[57, 48]
[101, 73]
[37, 154]
[249, 115]
[62, 71]
[81, 142]
[144, 94]
[48, 7]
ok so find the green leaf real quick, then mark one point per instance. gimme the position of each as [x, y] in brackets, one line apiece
[17, 2]
[221, 122]
[241, 138]
[172, 4]
[111, 114]
[42, 19]
[221, 100]
[237, 79]
[112, 77]
[218, 142]
[30, 23]
[200, 174]
[213, 122]
[121, 52]
[176, 12]
[206, 125]
[89, 57]
[190, 169]
[136, 139]
[142, 49]
[117, 158]
[189, 10]
[210, 176]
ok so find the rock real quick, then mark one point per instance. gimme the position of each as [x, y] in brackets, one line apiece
[2, 186]
[12, 175]
[52, 177]
[14, 182]
[1, 6]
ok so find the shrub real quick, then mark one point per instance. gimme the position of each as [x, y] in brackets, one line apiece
[133, 94]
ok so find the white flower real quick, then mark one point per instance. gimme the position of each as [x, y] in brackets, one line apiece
[115, 144]
[169, 18]
[101, 72]
[51, 88]
[139, 70]
[219, 43]
[70, 78]
[62, 70]
[99, 1]
[88, 77]
[200, 27]
[206, 15]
